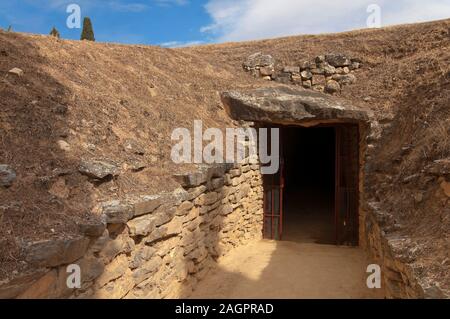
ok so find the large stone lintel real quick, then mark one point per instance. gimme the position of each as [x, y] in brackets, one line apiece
[287, 105]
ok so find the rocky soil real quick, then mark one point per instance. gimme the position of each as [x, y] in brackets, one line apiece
[81, 123]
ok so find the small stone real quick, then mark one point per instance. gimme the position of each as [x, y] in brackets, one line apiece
[291, 69]
[306, 75]
[317, 71]
[355, 65]
[63, 145]
[92, 229]
[184, 208]
[146, 270]
[266, 71]
[318, 88]
[267, 78]
[306, 65]
[132, 146]
[226, 210]
[116, 212]
[328, 69]
[153, 92]
[418, 198]
[142, 226]
[320, 59]
[190, 180]
[332, 87]
[235, 172]
[147, 205]
[195, 192]
[7, 175]
[319, 80]
[140, 256]
[164, 214]
[137, 165]
[109, 248]
[174, 227]
[97, 169]
[337, 60]
[346, 70]
[206, 199]
[284, 78]
[296, 78]
[16, 71]
[344, 79]
[307, 84]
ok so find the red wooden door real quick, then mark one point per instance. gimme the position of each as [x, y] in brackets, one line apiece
[273, 185]
[347, 184]
[273, 205]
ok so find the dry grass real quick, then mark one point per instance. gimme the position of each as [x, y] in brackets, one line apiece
[117, 92]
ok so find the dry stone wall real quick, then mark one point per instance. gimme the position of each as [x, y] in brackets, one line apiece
[326, 73]
[156, 246]
[396, 254]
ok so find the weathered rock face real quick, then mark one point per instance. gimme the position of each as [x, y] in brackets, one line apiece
[396, 254]
[285, 105]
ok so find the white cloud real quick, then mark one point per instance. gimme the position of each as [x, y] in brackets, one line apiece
[236, 20]
[114, 5]
[180, 44]
[127, 7]
[167, 3]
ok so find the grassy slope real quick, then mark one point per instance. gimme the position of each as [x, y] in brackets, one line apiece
[106, 89]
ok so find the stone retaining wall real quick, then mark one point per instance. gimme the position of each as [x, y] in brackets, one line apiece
[325, 73]
[401, 277]
[398, 278]
[157, 246]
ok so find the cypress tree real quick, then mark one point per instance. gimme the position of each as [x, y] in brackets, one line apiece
[55, 33]
[88, 31]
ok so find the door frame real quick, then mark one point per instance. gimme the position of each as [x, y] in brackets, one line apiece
[273, 187]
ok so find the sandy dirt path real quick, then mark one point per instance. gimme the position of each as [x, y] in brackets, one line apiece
[270, 269]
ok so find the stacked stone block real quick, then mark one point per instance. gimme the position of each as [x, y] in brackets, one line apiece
[156, 246]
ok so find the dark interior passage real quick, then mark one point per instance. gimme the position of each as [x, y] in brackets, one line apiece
[309, 174]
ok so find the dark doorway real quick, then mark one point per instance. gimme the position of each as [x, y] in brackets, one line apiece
[314, 195]
[309, 174]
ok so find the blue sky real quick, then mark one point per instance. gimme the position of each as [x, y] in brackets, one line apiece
[188, 22]
[125, 21]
